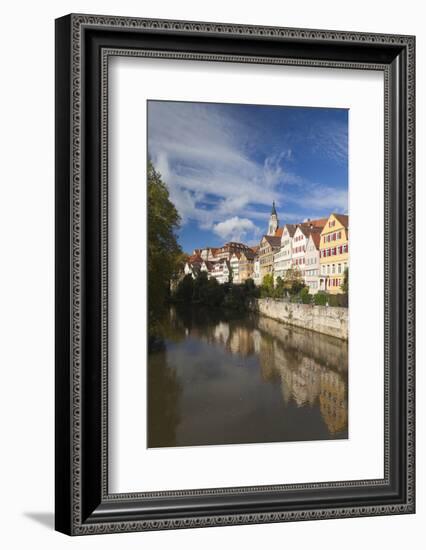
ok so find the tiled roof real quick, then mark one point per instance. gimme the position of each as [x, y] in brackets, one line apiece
[195, 259]
[343, 219]
[316, 238]
[249, 254]
[320, 222]
[291, 228]
[279, 232]
[273, 241]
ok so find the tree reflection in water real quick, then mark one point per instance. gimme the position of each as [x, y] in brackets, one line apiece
[240, 378]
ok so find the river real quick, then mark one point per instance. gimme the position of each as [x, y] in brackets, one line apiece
[219, 378]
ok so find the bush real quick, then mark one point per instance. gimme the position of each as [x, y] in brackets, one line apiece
[333, 300]
[320, 299]
[338, 300]
[305, 296]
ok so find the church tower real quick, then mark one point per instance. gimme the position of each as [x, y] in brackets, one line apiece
[273, 221]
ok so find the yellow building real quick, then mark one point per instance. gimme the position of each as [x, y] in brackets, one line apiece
[334, 253]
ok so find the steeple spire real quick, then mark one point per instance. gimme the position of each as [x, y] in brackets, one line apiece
[273, 221]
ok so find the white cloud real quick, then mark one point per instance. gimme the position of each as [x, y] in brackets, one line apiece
[205, 156]
[321, 197]
[236, 229]
[201, 152]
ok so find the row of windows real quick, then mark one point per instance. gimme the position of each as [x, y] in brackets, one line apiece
[299, 249]
[333, 268]
[332, 237]
[334, 251]
[334, 282]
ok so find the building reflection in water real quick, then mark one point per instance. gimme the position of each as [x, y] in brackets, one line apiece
[310, 368]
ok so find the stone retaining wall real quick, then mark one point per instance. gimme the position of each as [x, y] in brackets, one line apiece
[323, 319]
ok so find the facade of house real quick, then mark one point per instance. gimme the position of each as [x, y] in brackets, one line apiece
[246, 266]
[317, 248]
[221, 271]
[283, 257]
[234, 263]
[312, 263]
[300, 239]
[193, 265]
[334, 253]
[207, 267]
[226, 251]
[268, 247]
[256, 271]
[208, 253]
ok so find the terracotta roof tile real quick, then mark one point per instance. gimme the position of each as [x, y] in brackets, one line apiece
[343, 219]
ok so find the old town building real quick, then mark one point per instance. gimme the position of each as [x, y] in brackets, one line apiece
[312, 263]
[282, 258]
[317, 248]
[246, 265]
[334, 253]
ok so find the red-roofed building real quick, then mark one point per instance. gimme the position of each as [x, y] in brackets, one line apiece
[312, 262]
[334, 252]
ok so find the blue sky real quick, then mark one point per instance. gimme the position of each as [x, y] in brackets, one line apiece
[224, 164]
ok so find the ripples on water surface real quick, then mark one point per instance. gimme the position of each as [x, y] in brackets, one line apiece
[216, 379]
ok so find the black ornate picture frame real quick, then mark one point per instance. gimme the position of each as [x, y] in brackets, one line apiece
[84, 43]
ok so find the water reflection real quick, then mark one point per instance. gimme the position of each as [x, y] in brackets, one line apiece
[220, 379]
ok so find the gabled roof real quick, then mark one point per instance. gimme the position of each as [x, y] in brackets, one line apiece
[343, 219]
[273, 241]
[305, 229]
[316, 238]
[279, 232]
[195, 259]
[291, 228]
[249, 254]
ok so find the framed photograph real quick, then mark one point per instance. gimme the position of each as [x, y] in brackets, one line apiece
[234, 274]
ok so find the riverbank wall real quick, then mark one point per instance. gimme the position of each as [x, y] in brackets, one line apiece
[332, 321]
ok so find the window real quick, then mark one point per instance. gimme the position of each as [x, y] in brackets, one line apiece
[333, 268]
[339, 268]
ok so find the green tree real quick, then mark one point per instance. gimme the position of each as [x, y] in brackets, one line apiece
[250, 288]
[163, 249]
[185, 289]
[279, 291]
[293, 281]
[345, 285]
[267, 287]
